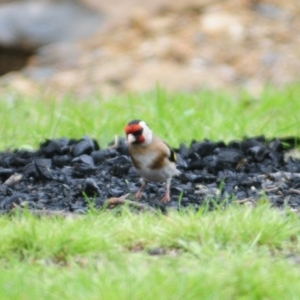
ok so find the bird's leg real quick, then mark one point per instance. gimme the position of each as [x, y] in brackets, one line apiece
[167, 197]
[139, 194]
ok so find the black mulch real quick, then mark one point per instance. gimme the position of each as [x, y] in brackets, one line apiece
[69, 175]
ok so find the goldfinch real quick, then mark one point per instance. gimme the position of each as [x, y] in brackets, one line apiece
[152, 158]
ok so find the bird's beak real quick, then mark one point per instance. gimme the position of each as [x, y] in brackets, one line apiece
[130, 138]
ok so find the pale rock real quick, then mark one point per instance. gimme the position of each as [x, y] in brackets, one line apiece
[18, 83]
[222, 23]
[63, 54]
[174, 76]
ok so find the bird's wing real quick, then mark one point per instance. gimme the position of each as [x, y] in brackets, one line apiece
[165, 150]
[172, 155]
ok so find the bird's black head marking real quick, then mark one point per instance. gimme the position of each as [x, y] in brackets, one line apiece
[133, 122]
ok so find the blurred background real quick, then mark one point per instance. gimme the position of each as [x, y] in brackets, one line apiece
[111, 47]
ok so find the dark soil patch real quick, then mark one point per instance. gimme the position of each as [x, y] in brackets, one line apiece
[68, 175]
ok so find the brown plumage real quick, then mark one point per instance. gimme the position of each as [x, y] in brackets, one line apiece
[152, 158]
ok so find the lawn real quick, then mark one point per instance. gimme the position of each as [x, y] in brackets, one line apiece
[237, 253]
[177, 117]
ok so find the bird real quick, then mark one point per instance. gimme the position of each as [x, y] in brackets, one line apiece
[152, 158]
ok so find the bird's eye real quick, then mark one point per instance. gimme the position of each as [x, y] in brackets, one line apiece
[139, 132]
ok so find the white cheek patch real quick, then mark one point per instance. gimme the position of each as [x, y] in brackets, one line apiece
[147, 133]
[130, 138]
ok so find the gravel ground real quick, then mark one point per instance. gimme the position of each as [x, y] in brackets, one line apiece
[184, 45]
[68, 175]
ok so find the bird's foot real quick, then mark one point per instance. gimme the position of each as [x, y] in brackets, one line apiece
[138, 195]
[166, 198]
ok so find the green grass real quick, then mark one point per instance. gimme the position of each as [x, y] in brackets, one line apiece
[26, 121]
[237, 253]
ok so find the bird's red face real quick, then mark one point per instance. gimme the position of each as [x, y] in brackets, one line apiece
[134, 132]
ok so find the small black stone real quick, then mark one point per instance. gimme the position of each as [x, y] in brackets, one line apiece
[43, 166]
[49, 148]
[103, 154]
[5, 172]
[85, 146]
[30, 170]
[61, 160]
